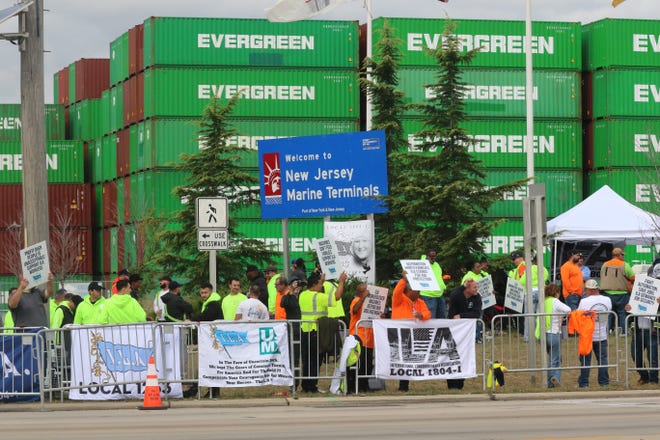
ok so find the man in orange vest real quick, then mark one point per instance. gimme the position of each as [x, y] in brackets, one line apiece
[571, 280]
[616, 278]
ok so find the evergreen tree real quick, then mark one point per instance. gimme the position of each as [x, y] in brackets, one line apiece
[439, 199]
[388, 106]
[211, 172]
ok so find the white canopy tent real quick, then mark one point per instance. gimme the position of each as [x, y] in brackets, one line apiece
[606, 216]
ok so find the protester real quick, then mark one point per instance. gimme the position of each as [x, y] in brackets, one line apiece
[121, 308]
[407, 304]
[255, 277]
[27, 306]
[252, 309]
[434, 299]
[571, 280]
[616, 280]
[176, 308]
[164, 282]
[366, 335]
[464, 302]
[599, 304]
[555, 312]
[211, 307]
[88, 311]
[230, 302]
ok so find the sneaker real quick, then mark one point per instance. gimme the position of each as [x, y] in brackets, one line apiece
[555, 382]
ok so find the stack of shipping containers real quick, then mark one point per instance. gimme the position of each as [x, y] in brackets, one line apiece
[621, 59]
[295, 79]
[495, 107]
[69, 200]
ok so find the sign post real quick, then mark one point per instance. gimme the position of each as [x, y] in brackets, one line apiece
[212, 223]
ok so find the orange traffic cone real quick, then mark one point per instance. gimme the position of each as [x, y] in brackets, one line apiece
[152, 398]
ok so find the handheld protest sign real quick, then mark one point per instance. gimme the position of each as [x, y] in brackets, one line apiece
[374, 304]
[328, 256]
[485, 289]
[35, 264]
[420, 275]
[643, 298]
[515, 295]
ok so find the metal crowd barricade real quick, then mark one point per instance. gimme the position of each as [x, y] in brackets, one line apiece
[480, 351]
[641, 347]
[22, 361]
[508, 346]
[184, 336]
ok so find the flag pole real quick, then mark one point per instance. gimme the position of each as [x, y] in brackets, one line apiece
[367, 114]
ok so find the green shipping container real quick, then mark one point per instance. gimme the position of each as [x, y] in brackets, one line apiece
[249, 42]
[11, 125]
[117, 107]
[105, 112]
[281, 93]
[638, 186]
[499, 143]
[563, 191]
[134, 146]
[165, 139]
[96, 160]
[65, 162]
[85, 118]
[555, 45]
[151, 194]
[109, 159]
[507, 237]
[130, 245]
[621, 42]
[119, 59]
[114, 249]
[625, 142]
[301, 235]
[501, 93]
[627, 93]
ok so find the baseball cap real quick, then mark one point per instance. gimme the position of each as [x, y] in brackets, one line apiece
[515, 255]
[617, 251]
[124, 272]
[94, 286]
[591, 284]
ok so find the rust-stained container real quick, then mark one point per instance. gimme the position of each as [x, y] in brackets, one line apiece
[123, 152]
[136, 49]
[70, 247]
[106, 250]
[92, 77]
[62, 80]
[68, 205]
[125, 196]
[110, 204]
[128, 98]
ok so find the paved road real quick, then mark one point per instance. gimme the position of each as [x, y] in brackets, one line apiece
[579, 419]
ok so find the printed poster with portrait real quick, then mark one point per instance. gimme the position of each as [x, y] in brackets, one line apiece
[356, 253]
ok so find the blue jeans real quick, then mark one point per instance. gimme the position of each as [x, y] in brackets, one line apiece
[599, 348]
[646, 339]
[553, 347]
[618, 305]
[572, 300]
[436, 305]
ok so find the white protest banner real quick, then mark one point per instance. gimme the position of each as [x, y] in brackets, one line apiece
[644, 294]
[326, 252]
[515, 295]
[355, 248]
[420, 275]
[35, 264]
[244, 355]
[434, 349]
[485, 289]
[110, 362]
[374, 304]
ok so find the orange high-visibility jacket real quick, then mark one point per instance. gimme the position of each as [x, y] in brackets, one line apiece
[583, 322]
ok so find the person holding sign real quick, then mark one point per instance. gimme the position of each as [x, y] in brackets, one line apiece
[646, 340]
[27, 307]
[434, 299]
[555, 312]
[407, 304]
[366, 335]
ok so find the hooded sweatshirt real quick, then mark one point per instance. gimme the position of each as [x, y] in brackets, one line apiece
[88, 312]
[122, 309]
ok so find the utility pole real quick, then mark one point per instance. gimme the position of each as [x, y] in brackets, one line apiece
[35, 183]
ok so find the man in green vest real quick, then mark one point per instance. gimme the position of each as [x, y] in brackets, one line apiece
[230, 302]
[314, 305]
[88, 311]
[434, 299]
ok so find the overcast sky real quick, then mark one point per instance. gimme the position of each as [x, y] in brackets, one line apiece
[77, 29]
